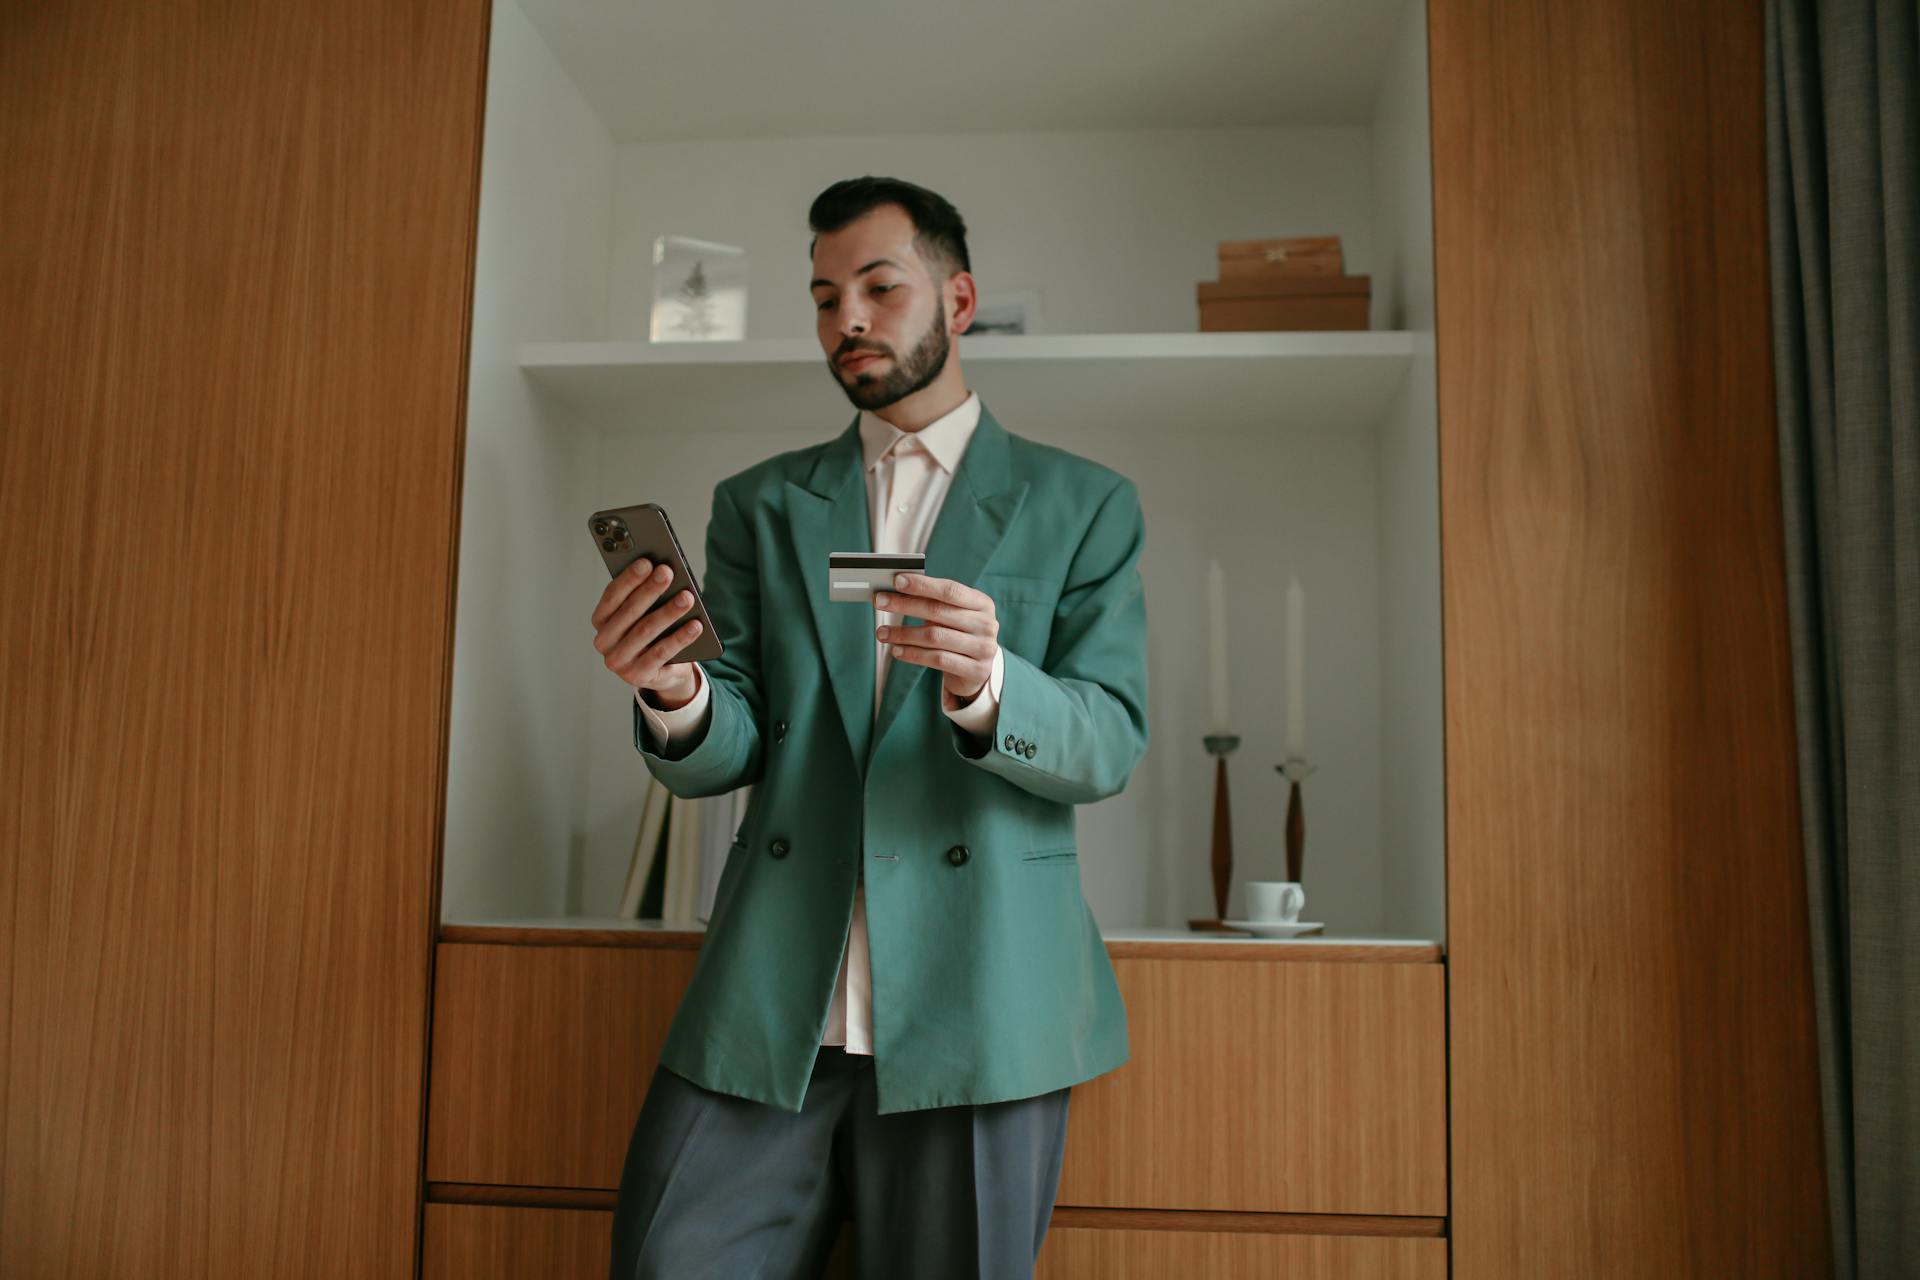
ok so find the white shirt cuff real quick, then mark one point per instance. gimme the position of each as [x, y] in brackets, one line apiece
[980, 715]
[680, 723]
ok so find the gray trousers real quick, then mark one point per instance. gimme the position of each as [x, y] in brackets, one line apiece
[725, 1187]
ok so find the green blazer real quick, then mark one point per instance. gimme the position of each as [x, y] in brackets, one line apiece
[990, 978]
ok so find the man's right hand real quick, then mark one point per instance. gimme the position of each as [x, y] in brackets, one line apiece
[629, 637]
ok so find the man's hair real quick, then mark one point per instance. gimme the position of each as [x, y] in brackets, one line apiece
[940, 236]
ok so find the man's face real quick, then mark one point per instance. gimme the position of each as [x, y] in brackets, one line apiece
[880, 313]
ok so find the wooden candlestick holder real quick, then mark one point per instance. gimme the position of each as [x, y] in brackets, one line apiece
[1220, 746]
[1294, 770]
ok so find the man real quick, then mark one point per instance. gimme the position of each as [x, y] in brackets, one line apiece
[900, 981]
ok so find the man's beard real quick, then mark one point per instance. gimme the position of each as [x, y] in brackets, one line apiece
[922, 365]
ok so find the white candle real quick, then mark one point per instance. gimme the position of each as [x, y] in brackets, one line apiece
[1217, 644]
[1296, 668]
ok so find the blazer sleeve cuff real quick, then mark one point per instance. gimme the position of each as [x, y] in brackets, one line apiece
[667, 727]
[979, 716]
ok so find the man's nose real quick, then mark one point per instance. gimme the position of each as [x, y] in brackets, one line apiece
[854, 319]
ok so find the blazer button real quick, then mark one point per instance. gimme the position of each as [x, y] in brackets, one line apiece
[778, 848]
[1008, 744]
[1029, 751]
[780, 731]
[958, 855]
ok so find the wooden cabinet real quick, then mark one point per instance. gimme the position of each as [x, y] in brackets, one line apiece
[1283, 1110]
[238, 263]
[1631, 1023]
[226, 837]
[1269, 1086]
[541, 1058]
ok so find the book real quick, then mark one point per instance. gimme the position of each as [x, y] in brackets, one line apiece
[681, 896]
[646, 847]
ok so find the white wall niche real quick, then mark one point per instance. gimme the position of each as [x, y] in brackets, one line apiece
[1278, 454]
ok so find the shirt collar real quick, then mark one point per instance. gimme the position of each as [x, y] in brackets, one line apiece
[945, 437]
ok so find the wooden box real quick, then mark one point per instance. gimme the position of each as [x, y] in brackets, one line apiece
[1298, 302]
[1282, 258]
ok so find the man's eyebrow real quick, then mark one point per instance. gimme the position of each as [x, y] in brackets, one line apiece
[877, 262]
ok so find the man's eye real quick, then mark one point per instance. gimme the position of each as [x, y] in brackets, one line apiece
[822, 306]
[882, 288]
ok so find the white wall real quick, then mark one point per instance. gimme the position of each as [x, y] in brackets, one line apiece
[514, 778]
[1413, 729]
[1113, 229]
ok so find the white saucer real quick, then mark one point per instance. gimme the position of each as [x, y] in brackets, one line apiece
[1275, 928]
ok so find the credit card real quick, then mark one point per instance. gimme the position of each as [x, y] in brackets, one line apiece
[855, 575]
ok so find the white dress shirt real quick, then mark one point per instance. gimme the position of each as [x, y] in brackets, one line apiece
[908, 475]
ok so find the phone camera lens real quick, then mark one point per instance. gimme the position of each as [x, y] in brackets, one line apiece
[611, 544]
[600, 527]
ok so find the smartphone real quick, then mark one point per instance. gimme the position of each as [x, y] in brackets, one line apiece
[624, 534]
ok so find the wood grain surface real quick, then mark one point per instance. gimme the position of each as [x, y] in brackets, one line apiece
[1287, 1088]
[238, 250]
[1212, 1220]
[1312, 1224]
[468, 1241]
[1295, 1088]
[1633, 1066]
[542, 1057]
[487, 1242]
[1077, 1253]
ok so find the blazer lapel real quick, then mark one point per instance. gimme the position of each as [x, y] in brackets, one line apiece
[826, 514]
[979, 508]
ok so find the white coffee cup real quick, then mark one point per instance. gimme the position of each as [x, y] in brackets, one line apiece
[1275, 900]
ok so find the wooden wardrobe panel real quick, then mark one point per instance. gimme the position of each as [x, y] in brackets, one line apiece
[542, 1057]
[1271, 1086]
[239, 241]
[1633, 1058]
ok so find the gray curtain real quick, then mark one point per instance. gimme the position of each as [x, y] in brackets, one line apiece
[1843, 152]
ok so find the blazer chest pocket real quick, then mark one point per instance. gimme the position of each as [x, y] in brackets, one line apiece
[1024, 607]
[1018, 589]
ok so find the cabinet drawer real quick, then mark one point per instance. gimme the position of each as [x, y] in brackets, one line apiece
[541, 1059]
[1281, 1086]
[1265, 1085]
[528, 1242]
[502, 1242]
[1091, 1253]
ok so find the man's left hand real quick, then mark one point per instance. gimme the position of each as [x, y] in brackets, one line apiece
[958, 638]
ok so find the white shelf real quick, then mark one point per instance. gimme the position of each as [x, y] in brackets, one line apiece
[1144, 381]
[1138, 933]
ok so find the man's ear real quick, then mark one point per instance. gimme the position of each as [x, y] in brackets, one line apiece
[965, 298]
